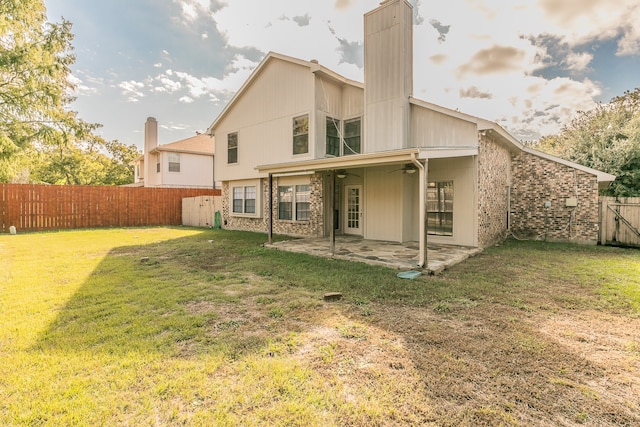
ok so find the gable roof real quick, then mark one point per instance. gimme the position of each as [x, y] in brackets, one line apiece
[504, 137]
[313, 66]
[199, 144]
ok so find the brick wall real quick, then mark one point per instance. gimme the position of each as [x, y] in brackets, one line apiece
[537, 180]
[494, 170]
[239, 222]
[312, 228]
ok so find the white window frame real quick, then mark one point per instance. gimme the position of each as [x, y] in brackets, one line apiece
[244, 188]
[297, 198]
[343, 150]
[340, 125]
[294, 135]
[440, 208]
[237, 138]
[173, 156]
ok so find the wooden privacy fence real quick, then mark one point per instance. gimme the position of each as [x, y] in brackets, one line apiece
[620, 221]
[49, 207]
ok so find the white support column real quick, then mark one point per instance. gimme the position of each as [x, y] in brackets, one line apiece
[423, 174]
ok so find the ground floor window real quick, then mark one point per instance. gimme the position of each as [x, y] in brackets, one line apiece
[440, 208]
[294, 201]
[244, 200]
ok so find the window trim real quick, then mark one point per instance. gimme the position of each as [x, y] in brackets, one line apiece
[332, 122]
[243, 186]
[341, 125]
[297, 193]
[169, 155]
[234, 149]
[441, 212]
[294, 135]
[344, 138]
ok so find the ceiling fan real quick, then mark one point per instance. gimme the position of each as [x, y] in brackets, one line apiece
[409, 168]
[342, 173]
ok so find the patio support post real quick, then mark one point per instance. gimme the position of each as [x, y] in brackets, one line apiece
[423, 173]
[332, 204]
[270, 202]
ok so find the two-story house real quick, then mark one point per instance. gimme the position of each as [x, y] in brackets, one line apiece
[303, 151]
[187, 163]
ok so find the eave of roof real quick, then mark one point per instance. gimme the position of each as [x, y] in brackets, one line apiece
[201, 144]
[313, 66]
[504, 137]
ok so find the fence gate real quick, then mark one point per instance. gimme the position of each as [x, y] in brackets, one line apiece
[620, 221]
[200, 211]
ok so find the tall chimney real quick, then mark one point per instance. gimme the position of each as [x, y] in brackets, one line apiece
[150, 142]
[388, 75]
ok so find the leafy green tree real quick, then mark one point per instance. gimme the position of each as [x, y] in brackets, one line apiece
[606, 138]
[41, 140]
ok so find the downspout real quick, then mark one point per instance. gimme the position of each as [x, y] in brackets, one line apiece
[422, 256]
[270, 202]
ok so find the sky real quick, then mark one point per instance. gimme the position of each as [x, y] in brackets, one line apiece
[529, 65]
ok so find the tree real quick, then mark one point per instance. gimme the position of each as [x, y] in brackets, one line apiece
[606, 138]
[35, 60]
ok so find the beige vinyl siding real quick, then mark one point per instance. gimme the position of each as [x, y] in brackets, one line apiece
[341, 102]
[388, 76]
[433, 129]
[462, 172]
[352, 102]
[383, 204]
[195, 171]
[411, 207]
[263, 118]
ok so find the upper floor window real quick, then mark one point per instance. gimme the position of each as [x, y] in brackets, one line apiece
[174, 162]
[232, 147]
[301, 134]
[352, 131]
[158, 162]
[343, 139]
[333, 136]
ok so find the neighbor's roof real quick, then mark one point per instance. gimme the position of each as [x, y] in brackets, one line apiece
[199, 144]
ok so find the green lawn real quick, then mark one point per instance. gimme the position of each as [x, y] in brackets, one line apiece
[214, 329]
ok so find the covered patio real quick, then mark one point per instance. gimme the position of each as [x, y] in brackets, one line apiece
[401, 256]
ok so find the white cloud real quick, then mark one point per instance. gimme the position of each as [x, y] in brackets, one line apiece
[132, 89]
[168, 85]
[578, 61]
[486, 61]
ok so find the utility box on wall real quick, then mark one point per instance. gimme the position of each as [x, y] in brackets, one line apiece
[571, 202]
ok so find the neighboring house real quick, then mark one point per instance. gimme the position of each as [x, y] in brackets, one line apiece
[303, 151]
[187, 163]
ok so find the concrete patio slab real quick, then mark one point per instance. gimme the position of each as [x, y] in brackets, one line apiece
[401, 256]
